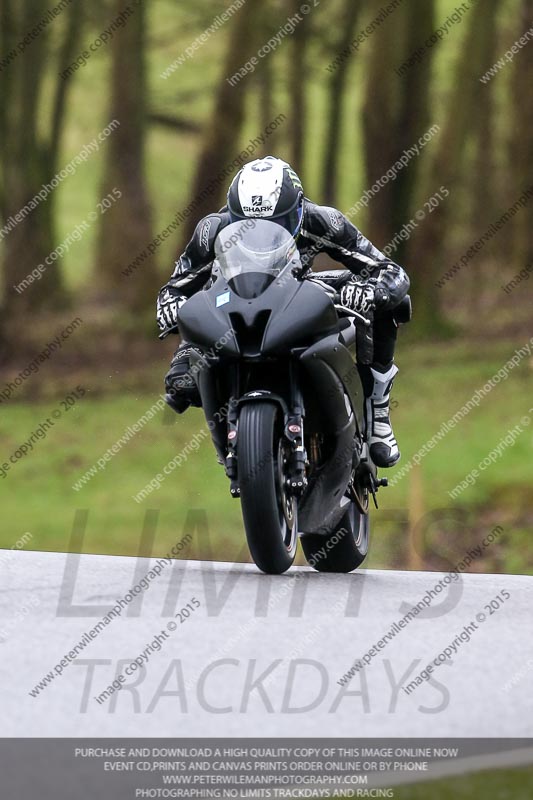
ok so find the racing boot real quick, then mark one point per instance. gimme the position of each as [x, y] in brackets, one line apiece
[377, 383]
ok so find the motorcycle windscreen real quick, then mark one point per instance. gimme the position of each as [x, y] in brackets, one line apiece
[252, 253]
[250, 284]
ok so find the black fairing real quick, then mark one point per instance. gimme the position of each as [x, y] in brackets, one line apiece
[292, 327]
[293, 313]
[203, 324]
[338, 388]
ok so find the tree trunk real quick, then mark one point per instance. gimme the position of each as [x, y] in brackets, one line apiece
[522, 145]
[265, 103]
[7, 40]
[298, 88]
[414, 117]
[29, 160]
[380, 116]
[485, 201]
[126, 227]
[337, 97]
[446, 168]
[220, 146]
[265, 85]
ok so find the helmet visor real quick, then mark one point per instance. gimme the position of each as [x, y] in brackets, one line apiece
[290, 220]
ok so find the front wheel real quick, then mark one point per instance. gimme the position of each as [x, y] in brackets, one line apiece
[270, 515]
[344, 549]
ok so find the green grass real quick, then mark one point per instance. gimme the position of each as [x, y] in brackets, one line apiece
[45, 477]
[509, 784]
[434, 382]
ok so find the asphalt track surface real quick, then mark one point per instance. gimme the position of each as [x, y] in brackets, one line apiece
[259, 655]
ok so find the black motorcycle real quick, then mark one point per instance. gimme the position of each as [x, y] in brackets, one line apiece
[283, 400]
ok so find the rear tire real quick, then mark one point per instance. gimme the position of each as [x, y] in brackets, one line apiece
[270, 517]
[344, 549]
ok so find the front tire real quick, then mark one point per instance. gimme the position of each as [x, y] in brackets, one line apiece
[344, 549]
[270, 516]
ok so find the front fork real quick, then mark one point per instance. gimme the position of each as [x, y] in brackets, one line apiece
[294, 435]
[231, 458]
[295, 456]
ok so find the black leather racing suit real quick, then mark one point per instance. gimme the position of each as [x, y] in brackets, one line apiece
[324, 230]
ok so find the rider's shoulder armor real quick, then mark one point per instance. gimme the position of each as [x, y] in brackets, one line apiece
[201, 248]
[320, 220]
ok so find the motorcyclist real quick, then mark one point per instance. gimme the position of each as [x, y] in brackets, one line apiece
[269, 188]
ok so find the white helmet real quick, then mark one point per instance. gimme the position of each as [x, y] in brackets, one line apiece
[268, 188]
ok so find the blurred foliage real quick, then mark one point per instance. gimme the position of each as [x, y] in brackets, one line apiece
[189, 96]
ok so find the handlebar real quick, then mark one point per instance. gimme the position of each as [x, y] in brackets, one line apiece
[349, 313]
[168, 332]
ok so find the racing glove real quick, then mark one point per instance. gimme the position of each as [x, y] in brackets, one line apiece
[390, 286]
[358, 297]
[168, 306]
